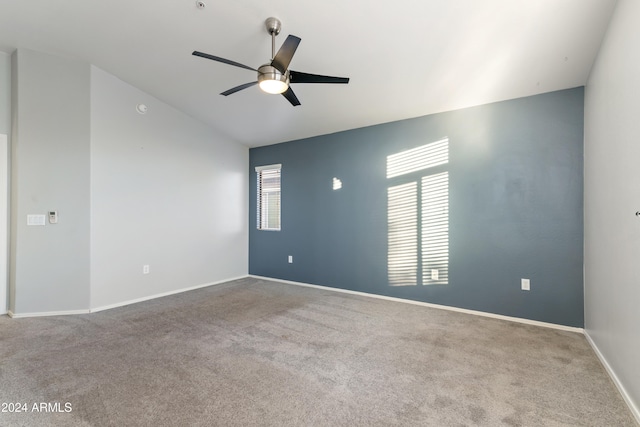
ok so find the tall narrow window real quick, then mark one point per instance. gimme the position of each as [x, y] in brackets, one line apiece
[403, 234]
[268, 194]
[435, 229]
[418, 215]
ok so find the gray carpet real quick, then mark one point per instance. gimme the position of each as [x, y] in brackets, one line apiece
[253, 352]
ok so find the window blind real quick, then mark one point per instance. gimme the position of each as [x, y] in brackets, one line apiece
[268, 197]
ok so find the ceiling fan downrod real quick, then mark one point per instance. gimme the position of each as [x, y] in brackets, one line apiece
[273, 27]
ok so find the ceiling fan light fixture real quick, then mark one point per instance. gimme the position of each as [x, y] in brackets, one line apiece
[273, 86]
[271, 80]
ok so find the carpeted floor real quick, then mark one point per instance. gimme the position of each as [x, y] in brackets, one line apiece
[253, 352]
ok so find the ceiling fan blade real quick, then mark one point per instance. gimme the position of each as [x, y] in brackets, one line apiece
[298, 77]
[225, 61]
[283, 57]
[291, 97]
[238, 88]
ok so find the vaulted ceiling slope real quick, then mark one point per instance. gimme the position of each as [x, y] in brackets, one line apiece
[405, 58]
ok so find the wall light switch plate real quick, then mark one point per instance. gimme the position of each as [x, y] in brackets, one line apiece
[145, 269]
[290, 259]
[35, 219]
[434, 274]
[525, 284]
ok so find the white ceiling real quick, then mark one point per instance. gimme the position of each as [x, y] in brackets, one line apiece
[405, 58]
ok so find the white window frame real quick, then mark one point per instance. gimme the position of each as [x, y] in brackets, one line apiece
[263, 219]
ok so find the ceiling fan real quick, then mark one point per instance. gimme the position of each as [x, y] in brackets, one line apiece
[275, 76]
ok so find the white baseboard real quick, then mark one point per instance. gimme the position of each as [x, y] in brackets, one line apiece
[120, 304]
[431, 305]
[46, 313]
[163, 294]
[623, 391]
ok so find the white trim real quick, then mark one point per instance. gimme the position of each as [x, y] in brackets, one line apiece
[268, 167]
[430, 305]
[121, 304]
[163, 294]
[623, 391]
[46, 313]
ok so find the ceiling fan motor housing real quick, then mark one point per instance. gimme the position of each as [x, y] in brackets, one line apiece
[270, 75]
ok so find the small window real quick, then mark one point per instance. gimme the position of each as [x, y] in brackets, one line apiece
[268, 193]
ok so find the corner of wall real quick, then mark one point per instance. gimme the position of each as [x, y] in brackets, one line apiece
[12, 182]
[633, 407]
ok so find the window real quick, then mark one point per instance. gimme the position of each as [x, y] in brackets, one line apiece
[268, 193]
[418, 215]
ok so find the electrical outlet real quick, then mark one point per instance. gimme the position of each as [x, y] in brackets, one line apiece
[290, 259]
[145, 269]
[434, 274]
[525, 284]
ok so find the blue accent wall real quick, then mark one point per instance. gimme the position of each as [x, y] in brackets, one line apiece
[515, 208]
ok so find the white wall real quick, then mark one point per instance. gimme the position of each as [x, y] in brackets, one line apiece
[4, 224]
[160, 189]
[166, 191]
[612, 196]
[5, 129]
[49, 171]
[5, 93]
